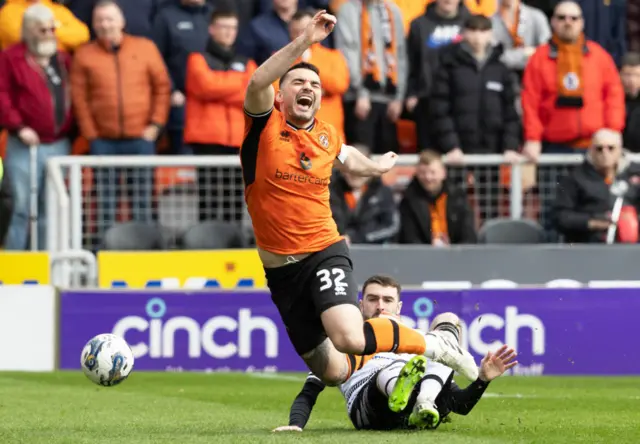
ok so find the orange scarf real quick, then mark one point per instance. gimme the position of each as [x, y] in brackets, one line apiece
[439, 226]
[569, 69]
[352, 198]
[371, 71]
[512, 20]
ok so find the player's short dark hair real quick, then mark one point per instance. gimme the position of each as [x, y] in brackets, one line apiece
[224, 13]
[303, 13]
[383, 281]
[631, 59]
[301, 65]
[478, 22]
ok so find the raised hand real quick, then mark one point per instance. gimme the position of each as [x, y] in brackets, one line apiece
[320, 27]
[495, 364]
[387, 161]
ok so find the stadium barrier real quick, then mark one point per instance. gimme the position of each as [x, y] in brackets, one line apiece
[555, 331]
[415, 266]
[88, 193]
[28, 328]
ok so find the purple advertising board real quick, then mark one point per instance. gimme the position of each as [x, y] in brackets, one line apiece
[555, 331]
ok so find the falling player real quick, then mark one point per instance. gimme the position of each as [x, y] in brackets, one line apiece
[287, 158]
[394, 391]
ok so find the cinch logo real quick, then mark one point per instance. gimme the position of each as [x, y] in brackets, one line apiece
[301, 178]
[305, 162]
[162, 331]
[191, 283]
[508, 325]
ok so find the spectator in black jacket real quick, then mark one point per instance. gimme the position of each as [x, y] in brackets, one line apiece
[630, 74]
[138, 14]
[6, 205]
[584, 198]
[180, 28]
[440, 25]
[433, 211]
[363, 208]
[473, 106]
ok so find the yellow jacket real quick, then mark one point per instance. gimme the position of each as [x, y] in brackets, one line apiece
[71, 32]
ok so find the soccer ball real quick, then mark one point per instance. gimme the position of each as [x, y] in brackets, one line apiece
[107, 360]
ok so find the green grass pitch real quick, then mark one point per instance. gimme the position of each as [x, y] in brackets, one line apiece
[189, 408]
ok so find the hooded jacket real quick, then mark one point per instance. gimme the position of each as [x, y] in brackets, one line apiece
[427, 34]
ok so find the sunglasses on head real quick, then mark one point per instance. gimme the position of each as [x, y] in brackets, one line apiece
[564, 17]
[601, 148]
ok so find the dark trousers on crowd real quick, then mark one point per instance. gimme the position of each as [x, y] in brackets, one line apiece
[376, 131]
[422, 121]
[220, 189]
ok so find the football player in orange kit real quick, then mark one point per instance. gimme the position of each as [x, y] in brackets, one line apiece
[287, 158]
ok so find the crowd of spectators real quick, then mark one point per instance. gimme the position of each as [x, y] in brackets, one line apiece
[510, 77]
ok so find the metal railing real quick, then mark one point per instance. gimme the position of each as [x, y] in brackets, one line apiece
[87, 194]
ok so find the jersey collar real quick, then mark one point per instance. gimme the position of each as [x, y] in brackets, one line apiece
[295, 128]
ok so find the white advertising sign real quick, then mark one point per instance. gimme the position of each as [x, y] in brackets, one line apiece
[27, 328]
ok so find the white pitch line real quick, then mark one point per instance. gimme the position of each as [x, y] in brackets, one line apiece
[276, 376]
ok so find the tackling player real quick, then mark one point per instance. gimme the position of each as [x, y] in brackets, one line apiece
[394, 391]
[287, 158]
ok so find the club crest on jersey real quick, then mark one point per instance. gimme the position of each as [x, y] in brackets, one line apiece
[324, 140]
[305, 162]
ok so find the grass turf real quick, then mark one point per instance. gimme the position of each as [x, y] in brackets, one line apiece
[184, 408]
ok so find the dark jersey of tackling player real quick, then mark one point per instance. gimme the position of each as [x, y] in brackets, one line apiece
[452, 399]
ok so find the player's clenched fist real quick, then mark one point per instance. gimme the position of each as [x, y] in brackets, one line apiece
[288, 429]
[320, 27]
[387, 161]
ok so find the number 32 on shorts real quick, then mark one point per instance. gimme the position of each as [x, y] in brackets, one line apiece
[333, 278]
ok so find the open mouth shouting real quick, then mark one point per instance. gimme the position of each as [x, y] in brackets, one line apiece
[304, 102]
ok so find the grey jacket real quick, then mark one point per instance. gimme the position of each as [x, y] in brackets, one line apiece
[347, 39]
[533, 29]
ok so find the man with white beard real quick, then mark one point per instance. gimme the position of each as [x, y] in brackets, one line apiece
[35, 107]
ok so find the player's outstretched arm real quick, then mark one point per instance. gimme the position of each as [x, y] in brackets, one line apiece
[303, 404]
[260, 94]
[493, 365]
[351, 160]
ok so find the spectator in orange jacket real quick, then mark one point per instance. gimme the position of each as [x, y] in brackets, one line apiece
[334, 73]
[216, 81]
[121, 90]
[571, 88]
[70, 32]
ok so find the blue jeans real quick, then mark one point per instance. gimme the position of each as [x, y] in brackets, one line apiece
[138, 184]
[17, 161]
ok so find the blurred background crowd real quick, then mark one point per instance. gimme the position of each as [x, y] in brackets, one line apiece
[442, 79]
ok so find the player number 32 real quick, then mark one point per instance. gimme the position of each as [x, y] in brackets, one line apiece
[327, 282]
